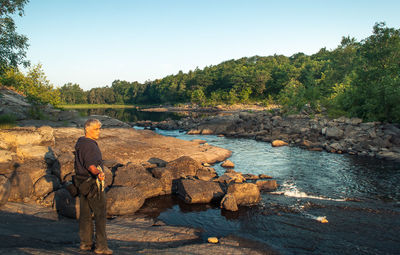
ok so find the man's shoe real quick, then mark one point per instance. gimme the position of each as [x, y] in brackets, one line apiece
[85, 247]
[103, 251]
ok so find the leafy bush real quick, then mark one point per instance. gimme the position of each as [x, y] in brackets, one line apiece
[34, 85]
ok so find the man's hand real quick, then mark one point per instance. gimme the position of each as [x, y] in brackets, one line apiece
[101, 176]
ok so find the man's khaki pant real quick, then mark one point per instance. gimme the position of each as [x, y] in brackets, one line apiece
[97, 205]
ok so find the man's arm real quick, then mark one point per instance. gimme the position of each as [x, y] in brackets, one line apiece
[93, 169]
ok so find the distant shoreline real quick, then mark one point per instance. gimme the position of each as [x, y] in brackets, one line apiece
[91, 106]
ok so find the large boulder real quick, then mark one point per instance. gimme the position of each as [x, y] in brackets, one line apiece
[34, 169]
[334, 132]
[194, 191]
[45, 185]
[228, 202]
[123, 200]
[5, 189]
[267, 185]
[181, 168]
[165, 177]
[229, 177]
[137, 176]
[65, 204]
[245, 193]
[21, 186]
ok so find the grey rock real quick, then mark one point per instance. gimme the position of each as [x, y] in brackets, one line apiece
[137, 176]
[334, 132]
[194, 191]
[123, 200]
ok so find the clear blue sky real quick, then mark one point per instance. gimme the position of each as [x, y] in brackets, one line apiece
[94, 42]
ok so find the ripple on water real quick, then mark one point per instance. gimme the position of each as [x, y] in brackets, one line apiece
[312, 185]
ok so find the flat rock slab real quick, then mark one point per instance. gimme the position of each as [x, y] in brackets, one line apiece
[129, 145]
[32, 229]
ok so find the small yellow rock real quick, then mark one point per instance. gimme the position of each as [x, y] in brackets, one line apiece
[322, 219]
[213, 240]
[279, 143]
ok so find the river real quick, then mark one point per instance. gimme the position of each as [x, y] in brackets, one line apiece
[359, 197]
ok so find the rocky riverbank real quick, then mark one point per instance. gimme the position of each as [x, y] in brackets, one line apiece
[36, 168]
[342, 135]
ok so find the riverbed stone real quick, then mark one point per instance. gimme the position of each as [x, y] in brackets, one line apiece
[334, 132]
[228, 164]
[194, 132]
[194, 191]
[278, 143]
[389, 155]
[264, 176]
[246, 194]
[251, 176]
[231, 177]
[228, 202]
[267, 185]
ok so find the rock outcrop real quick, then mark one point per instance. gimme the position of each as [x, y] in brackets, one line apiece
[38, 163]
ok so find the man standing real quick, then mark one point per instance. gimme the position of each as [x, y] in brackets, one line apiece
[88, 169]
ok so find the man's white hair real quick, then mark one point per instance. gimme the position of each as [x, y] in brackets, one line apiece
[91, 122]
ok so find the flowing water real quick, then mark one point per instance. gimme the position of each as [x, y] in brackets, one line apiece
[359, 197]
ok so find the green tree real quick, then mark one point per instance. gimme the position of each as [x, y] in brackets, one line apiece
[198, 97]
[34, 85]
[71, 93]
[12, 45]
[375, 92]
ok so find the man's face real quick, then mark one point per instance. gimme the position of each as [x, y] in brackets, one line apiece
[93, 131]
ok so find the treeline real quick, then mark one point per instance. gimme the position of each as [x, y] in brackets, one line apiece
[355, 79]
